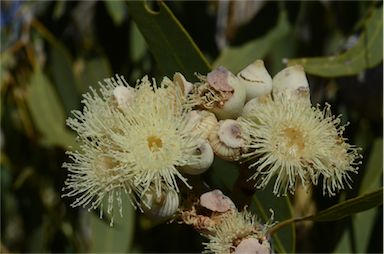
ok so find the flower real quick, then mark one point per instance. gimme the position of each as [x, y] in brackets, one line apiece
[236, 227]
[94, 175]
[290, 139]
[130, 147]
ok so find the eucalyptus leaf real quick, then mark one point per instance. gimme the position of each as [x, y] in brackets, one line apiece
[237, 58]
[263, 202]
[350, 206]
[363, 223]
[339, 211]
[116, 239]
[366, 53]
[47, 111]
[138, 46]
[371, 179]
[283, 48]
[63, 78]
[170, 44]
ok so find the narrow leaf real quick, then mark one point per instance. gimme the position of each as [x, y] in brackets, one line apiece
[47, 111]
[374, 169]
[339, 211]
[351, 206]
[137, 46]
[170, 44]
[63, 79]
[367, 53]
[364, 222]
[116, 239]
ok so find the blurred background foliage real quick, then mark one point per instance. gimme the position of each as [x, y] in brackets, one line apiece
[51, 52]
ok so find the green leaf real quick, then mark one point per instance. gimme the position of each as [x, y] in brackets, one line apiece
[116, 9]
[367, 53]
[351, 206]
[170, 44]
[237, 58]
[339, 211]
[374, 169]
[116, 239]
[138, 46]
[283, 48]
[363, 222]
[61, 69]
[47, 111]
[262, 202]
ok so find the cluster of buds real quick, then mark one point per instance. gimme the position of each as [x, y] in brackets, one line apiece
[215, 216]
[219, 99]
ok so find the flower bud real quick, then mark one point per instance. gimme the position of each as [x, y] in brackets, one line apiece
[256, 80]
[291, 81]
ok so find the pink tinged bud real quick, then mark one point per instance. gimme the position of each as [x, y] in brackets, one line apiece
[216, 201]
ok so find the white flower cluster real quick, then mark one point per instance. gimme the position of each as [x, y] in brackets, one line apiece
[140, 141]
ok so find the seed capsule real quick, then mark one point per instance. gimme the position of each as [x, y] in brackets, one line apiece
[256, 80]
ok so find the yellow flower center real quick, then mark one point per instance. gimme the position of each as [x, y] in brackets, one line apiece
[154, 143]
[294, 140]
